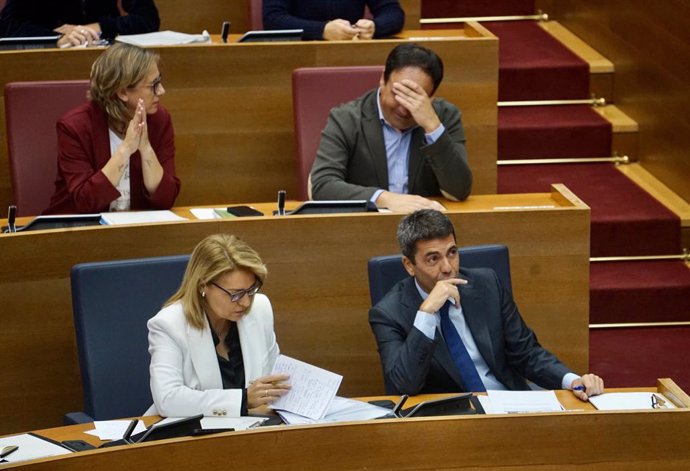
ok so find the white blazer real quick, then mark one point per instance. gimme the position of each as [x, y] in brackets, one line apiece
[185, 376]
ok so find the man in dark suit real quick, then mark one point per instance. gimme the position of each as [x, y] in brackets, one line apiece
[424, 322]
[395, 145]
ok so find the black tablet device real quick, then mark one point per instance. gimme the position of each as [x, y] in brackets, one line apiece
[272, 35]
[60, 221]
[332, 207]
[453, 405]
[183, 427]
[33, 42]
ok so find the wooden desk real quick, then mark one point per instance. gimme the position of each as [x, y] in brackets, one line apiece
[232, 105]
[317, 283]
[595, 439]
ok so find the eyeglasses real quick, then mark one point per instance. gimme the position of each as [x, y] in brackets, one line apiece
[237, 295]
[156, 87]
[657, 402]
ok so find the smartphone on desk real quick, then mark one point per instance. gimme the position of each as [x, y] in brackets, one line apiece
[241, 211]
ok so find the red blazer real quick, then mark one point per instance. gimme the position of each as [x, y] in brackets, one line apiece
[84, 148]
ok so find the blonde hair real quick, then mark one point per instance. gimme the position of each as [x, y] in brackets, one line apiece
[213, 257]
[120, 66]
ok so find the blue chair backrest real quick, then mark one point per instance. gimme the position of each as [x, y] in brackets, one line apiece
[112, 301]
[386, 271]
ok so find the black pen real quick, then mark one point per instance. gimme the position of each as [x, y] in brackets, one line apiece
[8, 450]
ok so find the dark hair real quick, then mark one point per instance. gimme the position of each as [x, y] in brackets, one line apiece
[423, 224]
[413, 55]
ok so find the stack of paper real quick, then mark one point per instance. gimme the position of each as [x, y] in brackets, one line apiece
[31, 447]
[629, 401]
[514, 402]
[164, 38]
[312, 388]
[340, 410]
[139, 217]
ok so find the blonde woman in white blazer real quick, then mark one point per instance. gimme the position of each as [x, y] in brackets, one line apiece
[212, 345]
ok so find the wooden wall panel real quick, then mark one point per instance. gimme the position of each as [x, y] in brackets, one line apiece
[649, 45]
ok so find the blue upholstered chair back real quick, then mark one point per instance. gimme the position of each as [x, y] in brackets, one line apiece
[386, 271]
[112, 301]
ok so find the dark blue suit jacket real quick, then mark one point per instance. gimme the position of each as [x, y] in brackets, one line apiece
[413, 364]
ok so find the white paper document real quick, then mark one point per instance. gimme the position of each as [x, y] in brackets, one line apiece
[629, 401]
[113, 429]
[164, 38]
[30, 447]
[205, 213]
[313, 388]
[340, 410]
[515, 402]
[139, 217]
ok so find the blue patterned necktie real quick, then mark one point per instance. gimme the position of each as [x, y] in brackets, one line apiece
[461, 358]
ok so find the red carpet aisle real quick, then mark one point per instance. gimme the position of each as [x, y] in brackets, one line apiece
[625, 219]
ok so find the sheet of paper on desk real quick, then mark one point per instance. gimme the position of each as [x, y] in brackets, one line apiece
[340, 410]
[513, 402]
[31, 447]
[628, 401]
[113, 429]
[164, 38]
[205, 213]
[139, 217]
[313, 388]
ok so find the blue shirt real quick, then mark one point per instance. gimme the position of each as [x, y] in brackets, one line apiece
[397, 145]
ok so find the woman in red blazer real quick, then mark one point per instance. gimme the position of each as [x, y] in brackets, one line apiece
[117, 151]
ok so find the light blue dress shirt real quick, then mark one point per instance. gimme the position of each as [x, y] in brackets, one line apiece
[398, 152]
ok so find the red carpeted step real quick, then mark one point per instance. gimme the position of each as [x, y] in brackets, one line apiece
[552, 131]
[637, 356]
[458, 8]
[533, 65]
[626, 220]
[639, 291]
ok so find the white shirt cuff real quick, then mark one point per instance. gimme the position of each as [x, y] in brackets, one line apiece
[427, 324]
[432, 136]
[568, 380]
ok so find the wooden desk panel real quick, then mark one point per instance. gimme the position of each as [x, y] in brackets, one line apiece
[317, 283]
[593, 439]
[232, 106]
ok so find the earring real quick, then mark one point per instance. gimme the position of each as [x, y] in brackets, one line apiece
[203, 294]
